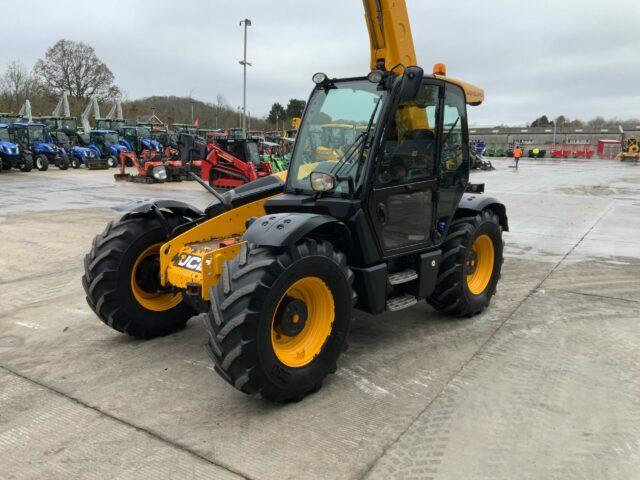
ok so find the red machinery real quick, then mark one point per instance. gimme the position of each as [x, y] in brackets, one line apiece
[224, 170]
[583, 151]
[608, 148]
[558, 151]
[148, 167]
[223, 161]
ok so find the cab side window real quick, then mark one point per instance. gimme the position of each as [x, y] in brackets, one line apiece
[454, 156]
[455, 152]
[409, 148]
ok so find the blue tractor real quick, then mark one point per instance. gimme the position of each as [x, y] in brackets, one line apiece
[479, 147]
[11, 156]
[138, 138]
[33, 139]
[106, 145]
[78, 155]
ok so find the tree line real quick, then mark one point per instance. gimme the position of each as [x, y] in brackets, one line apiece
[75, 67]
[597, 122]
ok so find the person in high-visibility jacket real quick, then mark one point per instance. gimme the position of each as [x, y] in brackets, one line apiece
[536, 152]
[517, 153]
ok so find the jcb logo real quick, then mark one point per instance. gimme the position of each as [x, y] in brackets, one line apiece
[190, 262]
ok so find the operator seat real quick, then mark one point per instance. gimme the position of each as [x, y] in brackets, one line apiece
[412, 159]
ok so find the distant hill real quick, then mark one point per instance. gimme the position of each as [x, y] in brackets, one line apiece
[178, 110]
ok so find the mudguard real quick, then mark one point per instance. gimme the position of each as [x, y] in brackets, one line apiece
[142, 208]
[44, 148]
[123, 143]
[96, 151]
[150, 144]
[472, 202]
[115, 150]
[285, 229]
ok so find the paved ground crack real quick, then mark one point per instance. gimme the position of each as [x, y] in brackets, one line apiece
[605, 297]
[38, 275]
[150, 433]
[372, 464]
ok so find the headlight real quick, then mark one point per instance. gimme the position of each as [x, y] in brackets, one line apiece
[319, 78]
[160, 173]
[322, 182]
[375, 76]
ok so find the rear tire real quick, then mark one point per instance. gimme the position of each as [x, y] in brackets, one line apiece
[458, 292]
[42, 163]
[250, 303]
[109, 279]
[26, 163]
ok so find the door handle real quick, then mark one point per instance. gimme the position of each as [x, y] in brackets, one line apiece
[381, 211]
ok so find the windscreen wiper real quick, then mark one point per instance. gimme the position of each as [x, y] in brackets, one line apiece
[450, 130]
[357, 141]
[348, 154]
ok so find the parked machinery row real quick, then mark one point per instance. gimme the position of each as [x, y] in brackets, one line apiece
[556, 151]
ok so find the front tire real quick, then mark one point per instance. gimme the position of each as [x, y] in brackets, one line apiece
[470, 267]
[122, 281]
[63, 163]
[42, 163]
[279, 319]
[75, 163]
[112, 161]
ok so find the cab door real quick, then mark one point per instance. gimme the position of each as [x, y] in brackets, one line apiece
[401, 205]
[130, 135]
[454, 154]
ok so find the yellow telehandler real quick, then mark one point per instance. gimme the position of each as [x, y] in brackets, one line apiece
[277, 266]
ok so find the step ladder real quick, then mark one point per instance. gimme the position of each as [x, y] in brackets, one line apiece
[403, 301]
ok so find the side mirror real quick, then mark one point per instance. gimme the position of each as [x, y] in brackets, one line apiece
[411, 83]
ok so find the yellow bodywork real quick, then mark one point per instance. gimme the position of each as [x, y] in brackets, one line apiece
[196, 256]
[392, 42]
[389, 34]
[473, 94]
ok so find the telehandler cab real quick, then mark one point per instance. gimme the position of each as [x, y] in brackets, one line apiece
[279, 264]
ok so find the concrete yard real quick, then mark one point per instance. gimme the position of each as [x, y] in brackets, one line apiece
[543, 385]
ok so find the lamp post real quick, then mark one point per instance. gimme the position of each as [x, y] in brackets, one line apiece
[246, 23]
[240, 116]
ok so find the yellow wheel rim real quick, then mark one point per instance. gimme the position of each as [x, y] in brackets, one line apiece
[480, 264]
[157, 302]
[300, 349]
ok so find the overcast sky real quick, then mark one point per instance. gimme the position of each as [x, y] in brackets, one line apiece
[580, 58]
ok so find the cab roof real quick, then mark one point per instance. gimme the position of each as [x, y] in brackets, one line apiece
[474, 95]
[24, 124]
[103, 131]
